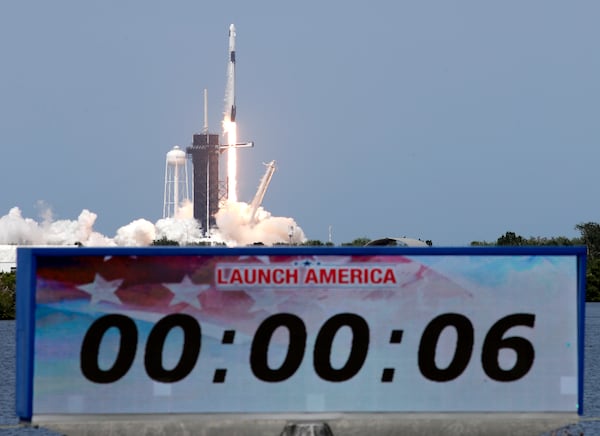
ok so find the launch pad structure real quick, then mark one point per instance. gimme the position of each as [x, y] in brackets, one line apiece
[208, 191]
[204, 152]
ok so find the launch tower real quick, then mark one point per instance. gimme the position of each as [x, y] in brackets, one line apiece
[205, 160]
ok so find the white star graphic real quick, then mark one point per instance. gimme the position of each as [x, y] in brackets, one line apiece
[186, 292]
[265, 300]
[264, 259]
[102, 290]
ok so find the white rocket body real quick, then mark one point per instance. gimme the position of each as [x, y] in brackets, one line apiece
[230, 89]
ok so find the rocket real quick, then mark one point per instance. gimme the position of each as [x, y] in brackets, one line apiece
[230, 91]
[229, 112]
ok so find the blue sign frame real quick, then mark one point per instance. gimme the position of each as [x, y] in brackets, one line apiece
[27, 262]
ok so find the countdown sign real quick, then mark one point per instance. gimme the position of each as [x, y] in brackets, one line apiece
[293, 330]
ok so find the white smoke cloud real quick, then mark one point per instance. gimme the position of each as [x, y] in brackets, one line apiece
[185, 210]
[235, 228]
[138, 233]
[17, 230]
[183, 230]
[14, 229]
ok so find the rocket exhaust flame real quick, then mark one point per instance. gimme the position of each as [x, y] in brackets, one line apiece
[231, 132]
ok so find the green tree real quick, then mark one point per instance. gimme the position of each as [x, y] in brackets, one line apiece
[164, 241]
[8, 282]
[555, 241]
[482, 244]
[590, 236]
[592, 280]
[510, 238]
[313, 243]
[358, 242]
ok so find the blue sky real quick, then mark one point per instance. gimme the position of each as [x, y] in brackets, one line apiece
[445, 120]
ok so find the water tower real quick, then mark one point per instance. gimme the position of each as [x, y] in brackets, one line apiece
[176, 182]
